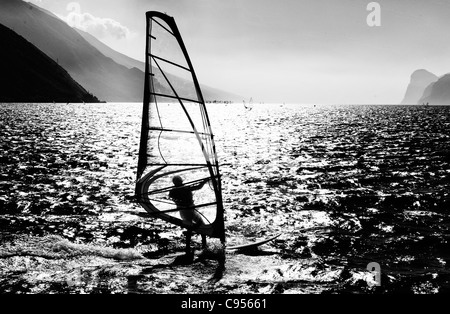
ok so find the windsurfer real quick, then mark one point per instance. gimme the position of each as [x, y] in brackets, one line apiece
[183, 198]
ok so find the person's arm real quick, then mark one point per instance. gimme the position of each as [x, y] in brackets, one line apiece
[200, 185]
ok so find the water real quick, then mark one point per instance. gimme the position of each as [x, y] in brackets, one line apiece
[346, 186]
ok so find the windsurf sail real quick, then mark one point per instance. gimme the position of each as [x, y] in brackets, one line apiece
[176, 135]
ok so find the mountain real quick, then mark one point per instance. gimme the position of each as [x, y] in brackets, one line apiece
[111, 53]
[209, 93]
[437, 93]
[98, 70]
[28, 75]
[97, 73]
[420, 80]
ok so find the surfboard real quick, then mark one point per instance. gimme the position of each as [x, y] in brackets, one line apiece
[252, 245]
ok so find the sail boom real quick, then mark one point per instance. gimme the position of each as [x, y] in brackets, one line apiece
[181, 209]
[173, 188]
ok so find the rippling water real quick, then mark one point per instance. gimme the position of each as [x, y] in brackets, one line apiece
[346, 186]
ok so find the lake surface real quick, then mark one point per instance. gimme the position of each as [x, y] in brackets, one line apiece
[346, 185]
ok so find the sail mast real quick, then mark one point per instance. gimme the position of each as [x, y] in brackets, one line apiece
[142, 162]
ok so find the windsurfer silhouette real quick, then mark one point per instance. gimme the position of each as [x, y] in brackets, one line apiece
[183, 198]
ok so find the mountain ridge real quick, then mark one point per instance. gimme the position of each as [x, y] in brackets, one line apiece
[210, 93]
[419, 81]
[29, 75]
[95, 71]
[437, 93]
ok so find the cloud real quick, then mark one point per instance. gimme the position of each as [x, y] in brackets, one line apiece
[97, 26]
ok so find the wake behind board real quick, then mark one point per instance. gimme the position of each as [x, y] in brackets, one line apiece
[252, 245]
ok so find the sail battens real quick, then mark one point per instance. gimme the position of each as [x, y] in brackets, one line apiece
[170, 84]
[175, 97]
[170, 62]
[176, 131]
[168, 30]
[176, 136]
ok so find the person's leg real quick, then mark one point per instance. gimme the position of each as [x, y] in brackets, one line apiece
[188, 257]
[203, 241]
[188, 241]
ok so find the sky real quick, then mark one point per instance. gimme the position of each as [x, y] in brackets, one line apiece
[291, 51]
